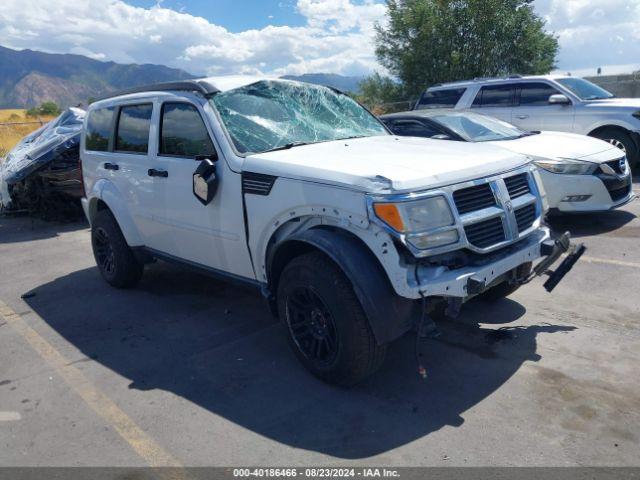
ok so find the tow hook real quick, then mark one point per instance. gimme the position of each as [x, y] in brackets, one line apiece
[553, 250]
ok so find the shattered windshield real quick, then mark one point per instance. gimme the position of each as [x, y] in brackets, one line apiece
[275, 114]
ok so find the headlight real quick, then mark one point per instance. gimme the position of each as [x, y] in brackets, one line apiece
[424, 221]
[567, 167]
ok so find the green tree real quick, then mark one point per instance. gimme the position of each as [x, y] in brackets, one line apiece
[49, 108]
[45, 108]
[380, 94]
[433, 41]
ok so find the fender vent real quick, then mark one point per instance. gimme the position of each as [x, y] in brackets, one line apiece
[257, 183]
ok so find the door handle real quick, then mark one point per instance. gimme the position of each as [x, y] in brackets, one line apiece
[111, 166]
[522, 117]
[157, 173]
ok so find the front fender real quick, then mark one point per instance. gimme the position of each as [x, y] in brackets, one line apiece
[107, 192]
[389, 314]
[611, 123]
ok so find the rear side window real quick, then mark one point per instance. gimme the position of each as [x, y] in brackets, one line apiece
[133, 128]
[536, 94]
[99, 129]
[441, 98]
[494, 96]
[182, 132]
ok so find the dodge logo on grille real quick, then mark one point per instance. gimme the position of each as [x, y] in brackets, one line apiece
[509, 206]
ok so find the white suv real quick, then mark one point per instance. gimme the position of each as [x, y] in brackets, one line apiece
[349, 231]
[549, 102]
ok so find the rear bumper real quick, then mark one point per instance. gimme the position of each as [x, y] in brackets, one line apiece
[442, 282]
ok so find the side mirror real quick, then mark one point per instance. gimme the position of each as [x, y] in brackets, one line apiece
[205, 181]
[441, 136]
[559, 99]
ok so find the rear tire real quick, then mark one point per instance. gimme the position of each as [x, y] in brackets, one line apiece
[624, 142]
[115, 259]
[326, 325]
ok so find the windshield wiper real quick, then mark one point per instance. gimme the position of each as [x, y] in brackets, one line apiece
[287, 146]
[352, 137]
[528, 134]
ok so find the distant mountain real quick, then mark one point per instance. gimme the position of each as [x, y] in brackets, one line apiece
[341, 82]
[27, 78]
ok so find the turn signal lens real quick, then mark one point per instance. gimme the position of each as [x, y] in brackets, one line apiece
[388, 213]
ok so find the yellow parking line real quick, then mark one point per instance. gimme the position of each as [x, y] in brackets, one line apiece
[610, 262]
[139, 441]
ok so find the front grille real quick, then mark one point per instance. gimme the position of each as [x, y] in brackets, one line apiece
[474, 198]
[518, 185]
[525, 217]
[615, 166]
[486, 233]
[620, 193]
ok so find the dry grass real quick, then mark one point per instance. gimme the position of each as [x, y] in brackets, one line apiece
[12, 134]
[13, 115]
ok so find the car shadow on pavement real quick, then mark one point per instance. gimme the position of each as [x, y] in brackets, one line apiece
[217, 346]
[583, 225]
[14, 229]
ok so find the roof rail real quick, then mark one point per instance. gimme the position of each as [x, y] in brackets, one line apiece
[478, 79]
[199, 86]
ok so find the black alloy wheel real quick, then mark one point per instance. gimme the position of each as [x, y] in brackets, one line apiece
[311, 326]
[104, 253]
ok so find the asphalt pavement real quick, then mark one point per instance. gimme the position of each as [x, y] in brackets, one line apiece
[187, 370]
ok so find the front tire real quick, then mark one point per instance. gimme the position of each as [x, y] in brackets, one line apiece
[624, 142]
[115, 259]
[326, 325]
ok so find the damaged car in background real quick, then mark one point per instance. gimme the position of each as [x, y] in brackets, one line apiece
[41, 175]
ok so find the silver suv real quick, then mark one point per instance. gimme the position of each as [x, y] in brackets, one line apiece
[549, 102]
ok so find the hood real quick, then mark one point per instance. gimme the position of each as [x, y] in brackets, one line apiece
[614, 102]
[387, 162]
[558, 146]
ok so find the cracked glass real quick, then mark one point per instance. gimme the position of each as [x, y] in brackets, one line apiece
[277, 114]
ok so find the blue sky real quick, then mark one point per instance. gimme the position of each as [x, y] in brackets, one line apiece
[284, 36]
[236, 15]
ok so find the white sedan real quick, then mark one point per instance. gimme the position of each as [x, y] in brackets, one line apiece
[579, 173]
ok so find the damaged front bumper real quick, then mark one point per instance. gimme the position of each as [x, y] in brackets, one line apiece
[466, 282]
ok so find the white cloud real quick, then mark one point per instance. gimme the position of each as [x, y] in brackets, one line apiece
[594, 33]
[337, 36]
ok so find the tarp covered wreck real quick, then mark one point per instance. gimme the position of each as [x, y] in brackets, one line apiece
[42, 173]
